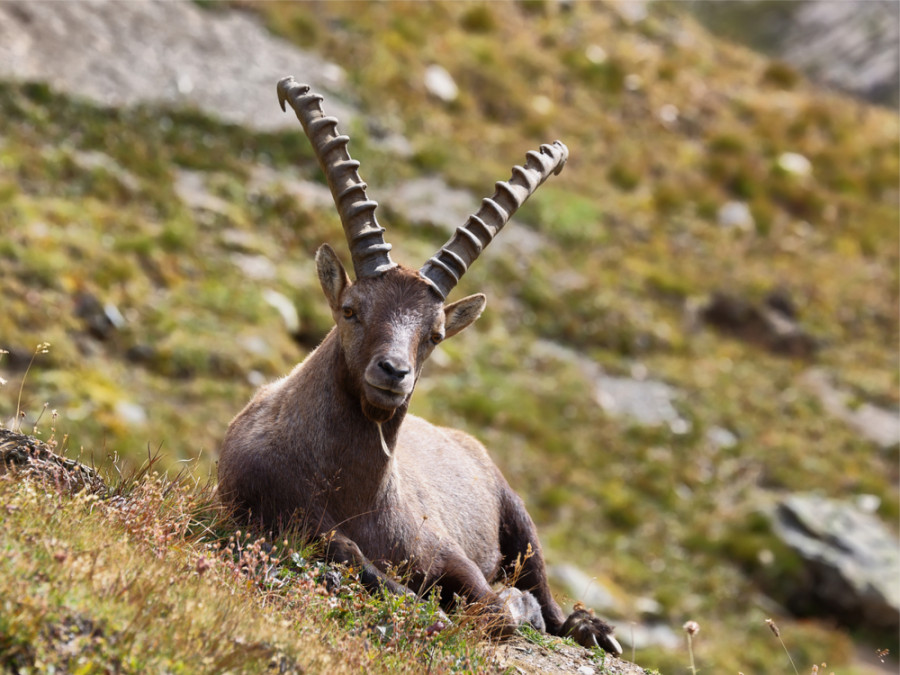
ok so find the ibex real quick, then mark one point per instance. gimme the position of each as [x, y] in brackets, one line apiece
[332, 442]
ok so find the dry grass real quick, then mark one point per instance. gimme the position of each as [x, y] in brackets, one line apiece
[147, 578]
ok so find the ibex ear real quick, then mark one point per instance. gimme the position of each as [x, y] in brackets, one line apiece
[462, 313]
[332, 275]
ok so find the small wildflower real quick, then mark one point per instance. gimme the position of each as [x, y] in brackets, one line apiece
[777, 633]
[434, 628]
[203, 565]
[691, 628]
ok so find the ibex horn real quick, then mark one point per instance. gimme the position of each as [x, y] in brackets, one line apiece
[444, 269]
[368, 249]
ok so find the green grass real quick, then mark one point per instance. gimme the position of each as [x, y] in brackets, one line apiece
[628, 240]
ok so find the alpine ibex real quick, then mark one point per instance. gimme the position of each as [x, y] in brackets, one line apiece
[332, 442]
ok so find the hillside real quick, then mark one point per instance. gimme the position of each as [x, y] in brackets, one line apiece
[164, 250]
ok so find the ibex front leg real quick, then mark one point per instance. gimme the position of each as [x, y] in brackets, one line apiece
[519, 544]
[340, 549]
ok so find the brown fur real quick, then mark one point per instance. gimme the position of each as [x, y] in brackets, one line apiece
[308, 447]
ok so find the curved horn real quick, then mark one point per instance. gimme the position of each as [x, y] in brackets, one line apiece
[445, 268]
[368, 249]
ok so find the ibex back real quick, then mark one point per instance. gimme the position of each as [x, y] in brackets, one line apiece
[332, 446]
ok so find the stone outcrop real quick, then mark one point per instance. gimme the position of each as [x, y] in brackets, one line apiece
[851, 562]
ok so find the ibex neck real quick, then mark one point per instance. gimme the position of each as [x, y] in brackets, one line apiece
[351, 442]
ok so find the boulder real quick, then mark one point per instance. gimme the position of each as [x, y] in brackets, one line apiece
[851, 561]
[771, 324]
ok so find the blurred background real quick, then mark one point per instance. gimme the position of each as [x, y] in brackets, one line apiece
[688, 367]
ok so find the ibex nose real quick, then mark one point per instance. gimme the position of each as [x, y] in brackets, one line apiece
[396, 370]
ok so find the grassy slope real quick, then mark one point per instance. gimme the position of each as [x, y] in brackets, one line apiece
[146, 582]
[633, 216]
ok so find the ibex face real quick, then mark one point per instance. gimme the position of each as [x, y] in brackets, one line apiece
[388, 326]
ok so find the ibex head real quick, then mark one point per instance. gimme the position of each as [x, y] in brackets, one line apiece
[392, 317]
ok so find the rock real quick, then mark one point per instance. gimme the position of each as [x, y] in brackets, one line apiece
[440, 83]
[853, 46]
[596, 54]
[193, 62]
[285, 308]
[256, 267]
[647, 402]
[668, 114]
[771, 325]
[190, 186]
[131, 414]
[721, 438]
[93, 159]
[580, 586]
[309, 193]
[880, 426]
[100, 320]
[518, 655]
[735, 215]
[852, 561]
[651, 634]
[430, 200]
[642, 400]
[794, 163]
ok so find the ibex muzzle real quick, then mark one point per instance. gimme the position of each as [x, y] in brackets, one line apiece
[332, 447]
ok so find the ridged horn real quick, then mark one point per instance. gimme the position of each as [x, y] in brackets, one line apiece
[365, 236]
[445, 268]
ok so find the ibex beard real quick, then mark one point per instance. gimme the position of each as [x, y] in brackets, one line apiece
[332, 442]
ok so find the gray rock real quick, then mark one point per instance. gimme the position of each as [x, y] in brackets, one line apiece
[430, 200]
[721, 438]
[647, 402]
[772, 324]
[852, 561]
[735, 215]
[640, 399]
[440, 83]
[285, 308]
[850, 45]
[651, 634]
[580, 586]
[124, 53]
[878, 425]
[191, 188]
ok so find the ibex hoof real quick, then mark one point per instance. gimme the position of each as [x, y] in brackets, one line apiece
[589, 631]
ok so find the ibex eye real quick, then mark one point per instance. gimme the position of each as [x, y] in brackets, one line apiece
[348, 312]
[436, 337]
